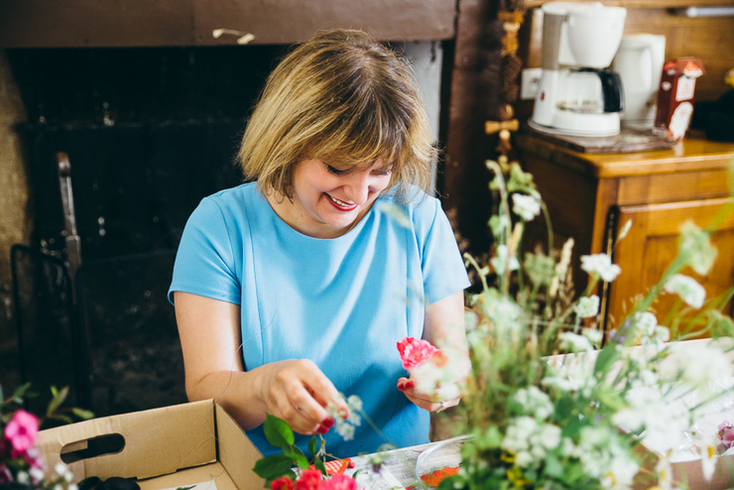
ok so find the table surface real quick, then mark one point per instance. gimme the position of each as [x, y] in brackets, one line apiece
[398, 470]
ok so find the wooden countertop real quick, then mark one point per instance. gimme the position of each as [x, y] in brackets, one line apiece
[691, 154]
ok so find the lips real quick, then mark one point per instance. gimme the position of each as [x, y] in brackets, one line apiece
[341, 205]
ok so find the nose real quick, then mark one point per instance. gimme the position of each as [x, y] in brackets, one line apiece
[358, 186]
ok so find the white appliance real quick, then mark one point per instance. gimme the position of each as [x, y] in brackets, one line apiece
[639, 62]
[578, 94]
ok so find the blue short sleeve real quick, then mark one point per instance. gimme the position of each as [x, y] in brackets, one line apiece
[205, 261]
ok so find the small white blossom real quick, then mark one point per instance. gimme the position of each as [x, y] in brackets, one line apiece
[695, 245]
[500, 261]
[36, 474]
[575, 342]
[688, 289]
[587, 306]
[697, 364]
[534, 402]
[649, 330]
[60, 469]
[594, 336]
[527, 207]
[23, 478]
[345, 430]
[600, 264]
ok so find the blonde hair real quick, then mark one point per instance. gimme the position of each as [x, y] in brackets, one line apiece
[343, 98]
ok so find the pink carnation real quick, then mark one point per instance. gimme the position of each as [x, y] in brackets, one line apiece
[340, 482]
[309, 480]
[415, 352]
[21, 430]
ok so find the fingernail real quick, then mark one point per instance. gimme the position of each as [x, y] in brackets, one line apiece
[401, 385]
[409, 385]
[328, 422]
[322, 429]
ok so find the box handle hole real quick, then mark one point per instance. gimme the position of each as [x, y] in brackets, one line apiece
[91, 448]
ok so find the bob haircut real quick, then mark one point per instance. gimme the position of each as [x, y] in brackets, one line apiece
[345, 99]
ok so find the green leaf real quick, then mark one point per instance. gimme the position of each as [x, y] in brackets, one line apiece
[57, 400]
[313, 446]
[272, 467]
[82, 414]
[319, 465]
[553, 467]
[297, 455]
[605, 358]
[277, 432]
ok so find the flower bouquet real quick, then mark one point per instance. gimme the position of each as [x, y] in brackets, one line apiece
[21, 464]
[550, 403]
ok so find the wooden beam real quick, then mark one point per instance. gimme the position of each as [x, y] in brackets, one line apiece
[132, 23]
[647, 4]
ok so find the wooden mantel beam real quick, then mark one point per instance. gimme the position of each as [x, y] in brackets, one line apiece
[139, 23]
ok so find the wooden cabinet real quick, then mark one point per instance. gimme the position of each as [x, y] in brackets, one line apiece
[591, 196]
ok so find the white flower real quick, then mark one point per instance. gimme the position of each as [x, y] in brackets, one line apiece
[709, 455]
[345, 430]
[594, 336]
[600, 264]
[527, 207]
[500, 261]
[697, 364]
[36, 474]
[587, 306]
[23, 478]
[687, 288]
[696, 246]
[649, 330]
[534, 402]
[575, 342]
[60, 469]
[441, 376]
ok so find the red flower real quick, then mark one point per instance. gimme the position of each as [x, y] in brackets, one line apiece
[309, 480]
[21, 430]
[340, 482]
[282, 483]
[414, 352]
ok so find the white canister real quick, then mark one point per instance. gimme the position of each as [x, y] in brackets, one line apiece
[639, 62]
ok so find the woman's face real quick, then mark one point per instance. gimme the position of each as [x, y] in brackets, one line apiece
[328, 200]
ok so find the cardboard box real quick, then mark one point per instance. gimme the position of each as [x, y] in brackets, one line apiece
[190, 444]
[675, 97]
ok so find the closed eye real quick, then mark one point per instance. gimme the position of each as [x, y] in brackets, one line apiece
[334, 170]
[383, 172]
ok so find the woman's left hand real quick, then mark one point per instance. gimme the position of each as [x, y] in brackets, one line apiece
[423, 400]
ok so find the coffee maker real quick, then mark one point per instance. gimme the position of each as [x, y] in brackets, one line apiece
[578, 94]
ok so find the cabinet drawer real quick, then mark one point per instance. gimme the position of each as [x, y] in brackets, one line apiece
[679, 186]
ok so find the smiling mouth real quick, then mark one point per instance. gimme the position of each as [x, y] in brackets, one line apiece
[341, 205]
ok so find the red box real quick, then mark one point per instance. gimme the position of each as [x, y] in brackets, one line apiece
[675, 97]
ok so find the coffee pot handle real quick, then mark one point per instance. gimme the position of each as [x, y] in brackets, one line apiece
[611, 86]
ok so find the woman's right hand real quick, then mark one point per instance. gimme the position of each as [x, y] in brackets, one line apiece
[294, 390]
[298, 392]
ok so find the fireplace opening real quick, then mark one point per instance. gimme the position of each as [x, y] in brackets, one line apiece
[148, 133]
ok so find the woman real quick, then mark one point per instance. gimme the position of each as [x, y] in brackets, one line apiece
[297, 287]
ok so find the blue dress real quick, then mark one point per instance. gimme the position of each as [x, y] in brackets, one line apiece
[343, 303]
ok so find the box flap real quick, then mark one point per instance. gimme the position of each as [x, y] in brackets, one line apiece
[155, 442]
[237, 453]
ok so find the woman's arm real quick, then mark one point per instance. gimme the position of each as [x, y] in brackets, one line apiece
[294, 390]
[444, 327]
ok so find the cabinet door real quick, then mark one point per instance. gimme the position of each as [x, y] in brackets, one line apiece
[651, 245]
